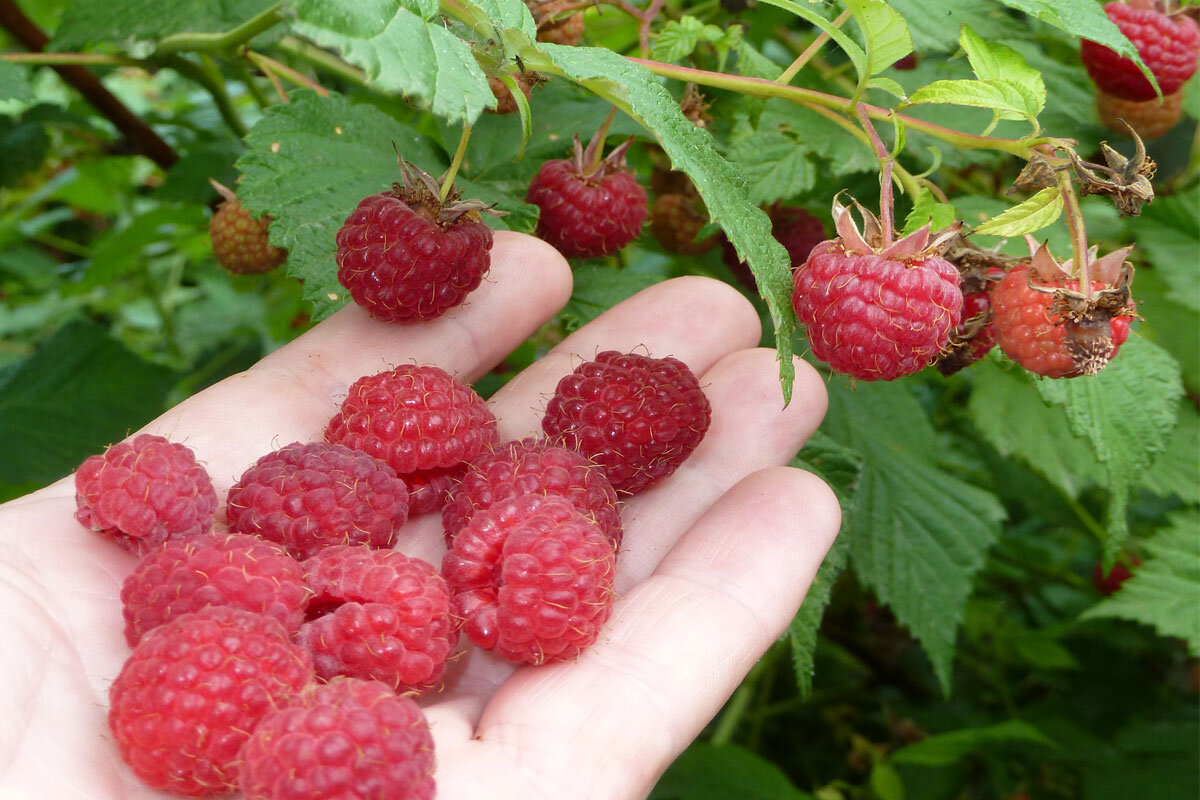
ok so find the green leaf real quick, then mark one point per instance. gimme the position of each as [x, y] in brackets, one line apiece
[918, 535]
[1164, 591]
[1043, 209]
[86, 21]
[927, 208]
[308, 164]
[991, 61]
[598, 288]
[691, 149]
[939, 32]
[820, 136]
[724, 772]
[841, 468]
[855, 53]
[13, 84]
[77, 393]
[884, 32]
[408, 55]
[678, 39]
[24, 145]
[944, 749]
[119, 253]
[1005, 98]
[1085, 19]
[1174, 471]
[188, 179]
[1128, 412]
[775, 166]
[885, 782]
[888, 85]
[753, 64]
[1168, 232]
[1043, 439]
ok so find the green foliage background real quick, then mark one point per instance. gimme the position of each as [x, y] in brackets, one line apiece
[953, 645]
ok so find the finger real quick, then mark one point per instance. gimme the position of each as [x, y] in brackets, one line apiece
[291, 395]
[678, 644]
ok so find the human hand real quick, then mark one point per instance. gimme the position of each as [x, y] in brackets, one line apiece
[715, 561]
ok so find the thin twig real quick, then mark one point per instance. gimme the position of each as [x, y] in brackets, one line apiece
[811, 50]
[269, 65]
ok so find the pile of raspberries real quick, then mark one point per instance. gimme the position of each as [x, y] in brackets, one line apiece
[277, 646]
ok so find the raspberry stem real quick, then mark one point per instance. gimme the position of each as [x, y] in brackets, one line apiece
[448, 179]
[1079, 254]
[886, 165]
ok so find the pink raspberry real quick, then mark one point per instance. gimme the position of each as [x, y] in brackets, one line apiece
[638, 417]
[185, 575]
[144, 491]
[378, 614]
[348, 740]
[421, 420]
[533, 466]
[314, 495]
[1168, 45]
[194, 689]
[532, 578]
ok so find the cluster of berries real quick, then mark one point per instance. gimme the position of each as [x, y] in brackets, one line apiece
[278, 652]
[1168, 44]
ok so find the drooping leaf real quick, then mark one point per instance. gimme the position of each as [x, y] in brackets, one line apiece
[1164, 591]
[724, 772]
[1005, 98]
[918, 534]
[884, 31]
[693, 151]
[308, 164]
[943, 749]
[1039, 211]
[85, 21]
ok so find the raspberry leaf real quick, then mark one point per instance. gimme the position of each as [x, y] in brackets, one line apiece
[707, 771]
[918, 535]
[86, 21]
[927, 210]
[1165, 590]
[776, 167]
[599, 288]
[1127, 412]
[947, 748]
[885, 32]
[13, 83]
[324, 142]
[1043, 209]
[1174, 471]
[719, 182]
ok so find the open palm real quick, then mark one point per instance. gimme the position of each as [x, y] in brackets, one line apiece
[715, 562]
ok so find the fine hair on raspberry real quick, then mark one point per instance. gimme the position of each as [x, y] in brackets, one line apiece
[306, 496]
[636, 416]
[143, 491]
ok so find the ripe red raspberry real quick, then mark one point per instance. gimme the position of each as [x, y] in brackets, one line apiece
[589, 208]
[532, 578]
[240, 242]
[185, 575]
[796, 229]
[675, 221]
[429, 489]
[877, 309]
[1033, 337]
[974, 337]
[143, 491]
[348, 740]
[1110, 583]
[637, 417]
[193, 690]
[1149, 118]
[908, 62]
[306, 496]
[378, 614]
[420, 420]
[533, 466]
[1169, 45]
[406, 255]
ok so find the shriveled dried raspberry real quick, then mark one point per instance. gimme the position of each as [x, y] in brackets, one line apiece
[637, 417]
[143, 491]
[974, 337]
[874, 308]
[589, 207]
[185, 575]
[240, 241]
[1150, 118]
[675, 221]
[552, 25]
[407, 255]
[533, 466]
[533, 579]
[378, 614]
[1169, 46]
[194, 689]
[796, 229]
[1032, 336]
[416, 418]
[347, 740]
[314, 495]
[505, 102]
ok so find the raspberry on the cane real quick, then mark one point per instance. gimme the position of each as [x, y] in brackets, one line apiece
[185, 575]
[552, 26]
[314, 495]
[532, 578]
[1033, 337]
[407, 255]
[415, 418]
[533, 466]
[636, 416]
[378, 614]
[1149, 118]
[589, 208]
[1169, 46]
[240, 242]
[346, 740]
[194, 689]
[143, 491]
